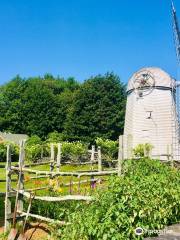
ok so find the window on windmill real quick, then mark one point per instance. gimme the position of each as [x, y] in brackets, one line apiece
[148, 114]
[140, 94]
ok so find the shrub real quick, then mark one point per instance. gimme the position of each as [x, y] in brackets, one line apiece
[147, 196]
[142, 150]
[34, 139]
[33, 148]
[109, 148]
[74, 149]
[71, 151]
[33, 152]
[55, 137]
[14, 151]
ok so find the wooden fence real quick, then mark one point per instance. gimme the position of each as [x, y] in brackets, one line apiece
[22, 193]
[54, 161]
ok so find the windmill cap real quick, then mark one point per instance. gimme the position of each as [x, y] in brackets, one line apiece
[162, 79]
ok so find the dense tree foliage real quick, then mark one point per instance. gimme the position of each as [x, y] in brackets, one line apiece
[42, 105]
[35, 105]
[98, 109]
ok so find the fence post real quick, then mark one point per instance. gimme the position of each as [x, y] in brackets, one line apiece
[52, 158]
[92, 156]
[21, 184]
[93, 153]
[59, 156]
[42, 152]
[120, 155]
[99, 160]
[7, 223]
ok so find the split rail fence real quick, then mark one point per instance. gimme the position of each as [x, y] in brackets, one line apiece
[22, 193]
[54, 161]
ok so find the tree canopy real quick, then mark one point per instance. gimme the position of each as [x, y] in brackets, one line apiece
[98, 109]
[77, 111]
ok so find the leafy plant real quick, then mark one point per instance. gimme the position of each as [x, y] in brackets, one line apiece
[147, 196]
[35, 148]
[54, 137]
[33, 152]
[109, 148]
[34, 139]
[14, 151]
[73, 150]
[142, 150]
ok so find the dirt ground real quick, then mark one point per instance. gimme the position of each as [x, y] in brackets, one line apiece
[36, 231]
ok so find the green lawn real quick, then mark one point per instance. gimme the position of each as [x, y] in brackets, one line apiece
[41, 182]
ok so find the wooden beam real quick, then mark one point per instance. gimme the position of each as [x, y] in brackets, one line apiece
[45, 219]
[79, 163]
[59, 156]
[54, 174]
[21, 174]
[92, 153]
[99, 160]
[52, 157]
[7, 223]
[58, 199]
[37, 164]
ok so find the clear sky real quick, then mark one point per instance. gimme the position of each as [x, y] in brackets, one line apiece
[82, 38]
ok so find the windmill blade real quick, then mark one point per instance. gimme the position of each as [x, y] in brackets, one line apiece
[176, 32]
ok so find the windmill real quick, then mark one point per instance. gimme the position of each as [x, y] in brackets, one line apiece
[152, 109]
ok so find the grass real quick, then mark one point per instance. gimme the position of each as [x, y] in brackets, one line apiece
[42, 182]
[34, 183]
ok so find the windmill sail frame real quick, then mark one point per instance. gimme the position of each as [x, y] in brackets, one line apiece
[176, 92]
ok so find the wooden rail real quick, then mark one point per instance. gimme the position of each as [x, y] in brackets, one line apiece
[55, 174]
[58, 199]
[22, 193]
[45, 219]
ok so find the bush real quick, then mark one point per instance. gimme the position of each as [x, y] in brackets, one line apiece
[14, 151]
[33, 148]
[55, 137]
[142, 150]
[34, 139]
[109, 148]
[73, 150]
[33, 152]
[147, 196]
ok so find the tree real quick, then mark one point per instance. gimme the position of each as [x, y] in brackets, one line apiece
[98, 109]
[35, 106]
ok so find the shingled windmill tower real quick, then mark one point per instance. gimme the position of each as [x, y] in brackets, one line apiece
[149, 111]
[152, 109]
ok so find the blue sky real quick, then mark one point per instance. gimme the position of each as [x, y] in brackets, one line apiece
[82, 38]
